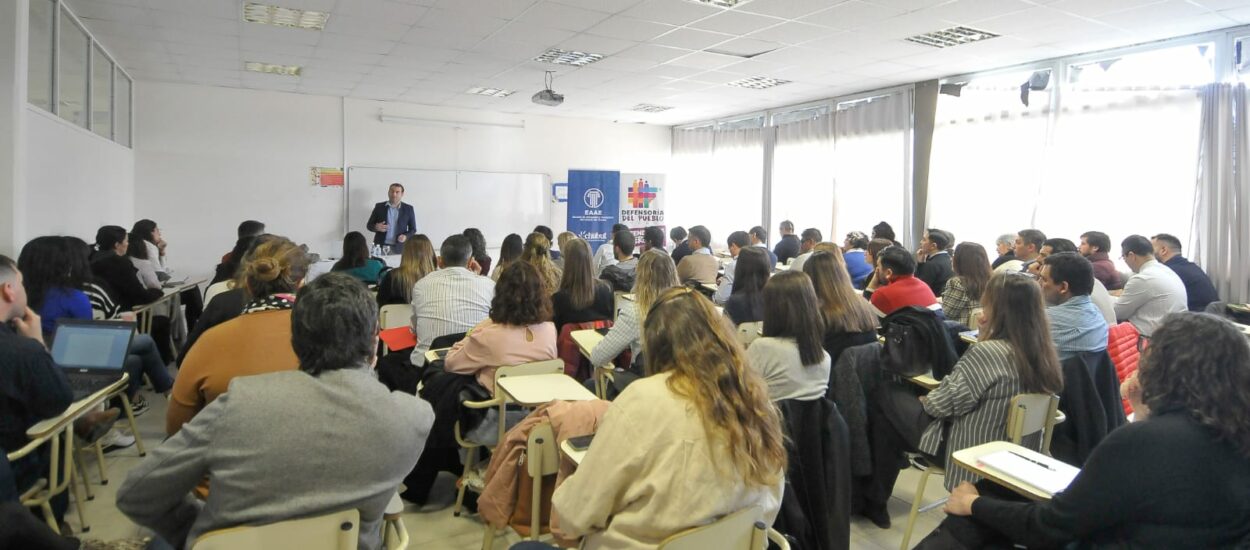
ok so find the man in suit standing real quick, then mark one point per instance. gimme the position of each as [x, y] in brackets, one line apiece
[392, 222]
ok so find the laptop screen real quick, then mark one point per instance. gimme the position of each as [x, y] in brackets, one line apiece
[94, 345]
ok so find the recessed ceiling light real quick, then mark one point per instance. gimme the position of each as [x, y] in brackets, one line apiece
[493, 92]
[273, 68]
[565, 57]
[953, 36]
[758, 82]
[721, 3]
[279, 16]
[649, 108]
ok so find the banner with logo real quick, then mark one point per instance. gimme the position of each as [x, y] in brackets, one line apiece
[594, 204]
[642, 203]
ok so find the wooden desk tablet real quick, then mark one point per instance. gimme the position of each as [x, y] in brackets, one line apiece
[970, 459]
[50, 426]
[586, 340]
[433, 355]
[534, 390]
[925, 381]
[575, 455]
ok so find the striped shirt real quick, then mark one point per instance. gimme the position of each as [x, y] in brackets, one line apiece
[448, 301]
[974, 399]
[1077, 326]
[102, 305]
[625, 333]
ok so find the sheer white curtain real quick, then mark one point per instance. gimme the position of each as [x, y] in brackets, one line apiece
[802, 186]
[1121, 162]
[1221, 223]
[873, 155]
[717, 180]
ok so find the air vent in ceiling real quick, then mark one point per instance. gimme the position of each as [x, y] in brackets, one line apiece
[649, 108]
[272, 68]
[953, 36]
[758, 82]
[565, 57]
[492, 92]
[721, 3]
[279, 16]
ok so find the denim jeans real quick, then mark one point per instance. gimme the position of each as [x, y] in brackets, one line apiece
[143, 358]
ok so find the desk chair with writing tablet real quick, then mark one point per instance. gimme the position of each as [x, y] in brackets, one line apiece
[60, 474]
[334, 531]
[741, 530]
[542, 458]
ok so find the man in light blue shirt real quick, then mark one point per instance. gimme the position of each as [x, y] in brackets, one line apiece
[1076, 324]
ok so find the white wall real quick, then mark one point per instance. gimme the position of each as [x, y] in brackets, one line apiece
[76, 181]
[208, 158]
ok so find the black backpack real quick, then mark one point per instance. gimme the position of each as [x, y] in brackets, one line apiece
[916, 342]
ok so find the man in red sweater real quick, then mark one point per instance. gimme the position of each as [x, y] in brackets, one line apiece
[896, 267]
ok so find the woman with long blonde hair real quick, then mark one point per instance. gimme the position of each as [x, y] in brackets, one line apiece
[696, 440]
[537, 252]
[655, 274]
[416, 262]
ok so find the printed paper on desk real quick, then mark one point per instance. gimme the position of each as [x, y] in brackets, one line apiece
[1047, 474]
[398, 338]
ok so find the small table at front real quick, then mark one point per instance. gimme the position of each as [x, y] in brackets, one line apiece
[969, 459]
[575, 455]
[536, 389]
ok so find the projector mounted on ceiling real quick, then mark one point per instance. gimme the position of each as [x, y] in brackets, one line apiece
[548, 96]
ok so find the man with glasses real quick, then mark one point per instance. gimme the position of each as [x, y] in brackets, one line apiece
[1152, 292]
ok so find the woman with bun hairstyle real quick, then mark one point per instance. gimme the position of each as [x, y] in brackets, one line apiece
[256, 342]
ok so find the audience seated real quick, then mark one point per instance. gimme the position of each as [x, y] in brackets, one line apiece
[895, 269]
[788, 246]
[736, 242]
[228, 304]
[581, 297]
[1152, 292]
[1027, 246]
[1095, 246]
[933, 262]
[653, 239]
[962, 295]
[848, 318]
[143, 261]
[1179, 477]
[255, 342]
[518, 330]
[1076, 325]
[452, 299]
[229, 266]
[478, 241]
[606, 255]
[621, 274]
[708, 426]
[546, 232]
[286, 445]
[537, 252]
[884, 231]
[700, 266]
[746, 300]
[655, 274]
[1199, 291]
[155, 246]
[789, 356]
[416, 261]
[875, 246]
[1005, 245]
[759, 237]
[510, 251]
[857, 266]
[807, 242]
[681, 248]
[356, 261]
[1050, 246]
[110, 264]
[562, 239]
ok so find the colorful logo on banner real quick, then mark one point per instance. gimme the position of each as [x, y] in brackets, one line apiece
[594, 204]
[641, 193]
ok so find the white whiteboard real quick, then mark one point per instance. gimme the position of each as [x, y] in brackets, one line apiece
[446, 201]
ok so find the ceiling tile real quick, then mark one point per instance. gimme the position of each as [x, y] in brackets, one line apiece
[650, 52]
[972, 11]
[691, 39]
[178, 48]
[902, 26]
[381, 10]
[672, 12]
[704, 60]
[1240, 15]
[442, 38]
[405, 62]
[910, 5]
[606, 6]
[223, 9]
[880, 69]
[351, 43]
[792, 32]
[355, 58]
[628, 28]
[1034, 18]
[274, 47]
[359, 26]
[476, 24]
[505, 9]
[787, 9]
[625, 64]
[1098, 8]
[596, 44]
[1158, 14]
[746, 47]
[851, 15]
[671, 70]
[278, 34]
[560, 16]
[107, 12]
[508, 51]
[734, 22]
[530, 33]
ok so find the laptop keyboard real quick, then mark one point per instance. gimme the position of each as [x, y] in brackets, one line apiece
[86, 386]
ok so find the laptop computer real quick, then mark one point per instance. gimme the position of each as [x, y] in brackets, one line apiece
[92, 354]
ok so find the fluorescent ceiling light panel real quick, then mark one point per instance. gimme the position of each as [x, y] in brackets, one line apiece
[565, 57]
[758, 82]
[953, 36]
[272, 68]
[721, 3]
[279, 16]
[492, 92]
[649, 108]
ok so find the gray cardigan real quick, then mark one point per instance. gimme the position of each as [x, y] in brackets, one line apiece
[281, 446]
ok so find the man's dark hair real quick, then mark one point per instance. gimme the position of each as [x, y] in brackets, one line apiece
[1138, 245]
[787, 225]
[811, 234]
[759, 233]
[701, 233]
[1060, 245]
[1072, 268]
[1097, 239]
[883, 231]
[677, 233]
[740, 238]
[334, 324]
[109, 236]
[940, 238]
[1170, 240]
[618, 227]
[455, 251]
[1033, 237]
[653, 235]
[624, 240]
[399, 185]
[545, 231]
[251, 228]
[898, 260]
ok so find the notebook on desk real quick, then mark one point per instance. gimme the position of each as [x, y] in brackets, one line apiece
[1045, 473]
[92, 354]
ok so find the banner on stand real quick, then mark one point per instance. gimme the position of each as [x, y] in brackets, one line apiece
[594, 204]
[642, 203]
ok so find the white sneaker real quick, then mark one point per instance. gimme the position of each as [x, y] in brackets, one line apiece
[115, 439]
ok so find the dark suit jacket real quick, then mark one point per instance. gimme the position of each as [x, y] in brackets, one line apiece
[1198, 287]
[406, 222]
[935, 272]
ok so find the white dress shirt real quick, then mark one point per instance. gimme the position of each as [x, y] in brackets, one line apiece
[1150, 295]
[604, 257]
[726, 283]
[448, 301]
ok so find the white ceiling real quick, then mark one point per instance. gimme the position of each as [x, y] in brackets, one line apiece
[431, 51]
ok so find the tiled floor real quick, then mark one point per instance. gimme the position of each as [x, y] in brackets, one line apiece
[440, 530]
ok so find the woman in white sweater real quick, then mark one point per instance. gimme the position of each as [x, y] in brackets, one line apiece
[789, 356]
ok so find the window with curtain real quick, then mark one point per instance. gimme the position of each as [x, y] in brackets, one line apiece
[802, 185]
[988, 157]
[717, 180]
[871, 176]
